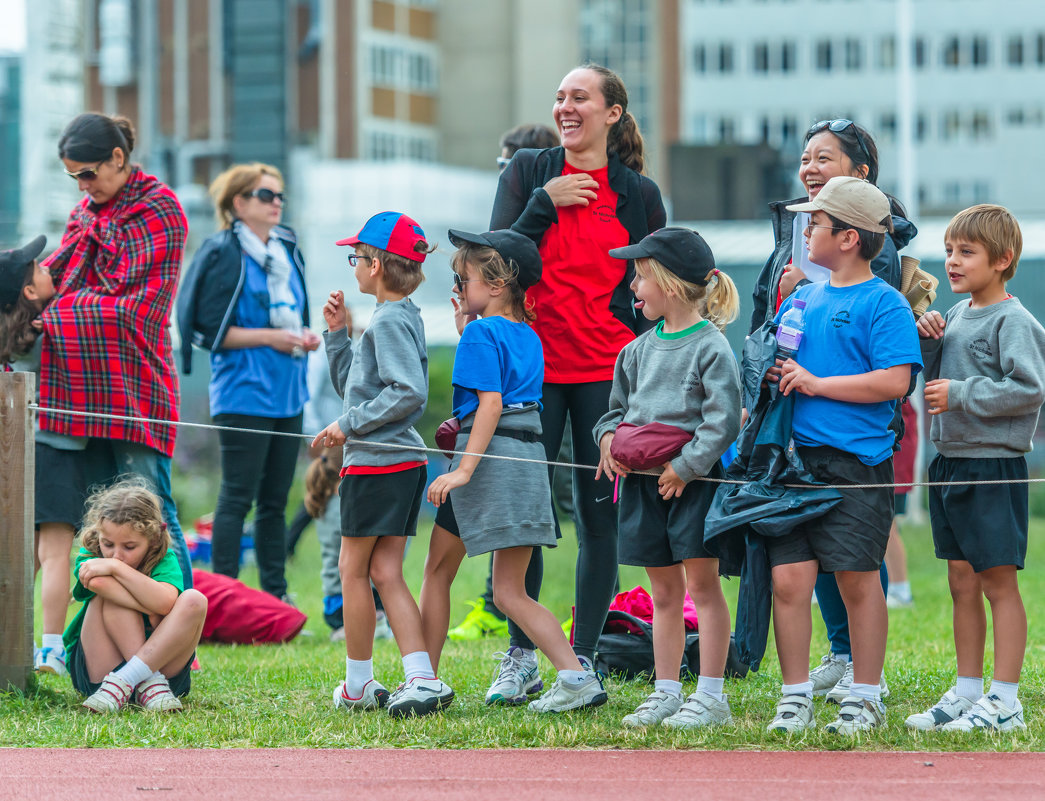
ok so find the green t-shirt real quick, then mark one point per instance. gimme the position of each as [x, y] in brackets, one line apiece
[167, 570]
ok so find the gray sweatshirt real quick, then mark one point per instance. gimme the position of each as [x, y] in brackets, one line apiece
[692, 383]
[383, 379]
[994, 358]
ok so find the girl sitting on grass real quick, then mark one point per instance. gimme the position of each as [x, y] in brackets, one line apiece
[137, 632]
[499, 505]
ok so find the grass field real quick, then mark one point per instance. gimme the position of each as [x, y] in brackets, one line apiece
[279, 696]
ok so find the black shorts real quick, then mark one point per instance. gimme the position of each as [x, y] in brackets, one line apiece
[445, 517]
[180, 682]
[851, 535]
[900, 504]
[382, 504]
[985, 525]
[653, 532]
[61, 486]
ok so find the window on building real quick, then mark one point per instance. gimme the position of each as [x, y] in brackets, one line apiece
[789, 130]
[919, 50]
[980, 125]
[700, 58]
[952, 52]
[951, 125]
[887, 127]
[1041, 49]
[760, 57]
[853, 54]
[725, 58]
[788, 57]
[921, 127]
[765, 126]
[887, 53]
[727, 130]
[981, 192]
[421, 72]
[1015, 51]
[823, 55]
[1015, 117]
[980, 51]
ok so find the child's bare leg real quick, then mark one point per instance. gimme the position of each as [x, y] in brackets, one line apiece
[358, 608]
[1001, 587]
[668, 585]
[713, 613]
[445, 552]
[386, 571]
[540, 625]
[869, 622]
[54, 543]
[176, 636]
[970, 618]
[896, 555]
[111, 634]
[792, 620]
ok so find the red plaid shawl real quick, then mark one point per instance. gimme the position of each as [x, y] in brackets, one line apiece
[107, 345]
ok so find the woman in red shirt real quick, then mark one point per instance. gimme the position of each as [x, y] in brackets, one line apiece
[577, 202]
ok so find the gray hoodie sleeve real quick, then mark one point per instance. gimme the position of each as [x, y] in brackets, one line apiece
[932, 350]
[618, 406]
[404, 386]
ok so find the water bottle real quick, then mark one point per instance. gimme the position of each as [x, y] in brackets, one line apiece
[789, 332]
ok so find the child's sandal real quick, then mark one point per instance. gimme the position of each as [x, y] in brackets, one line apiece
[154, 695]
[111, 696]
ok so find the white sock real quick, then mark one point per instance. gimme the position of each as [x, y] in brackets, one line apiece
[869, 692]
[710, 685]
[523, 653]
[847, 658]
[418, 665]
[668, 686]
[53, 641]
[805, 688]
[1006, 691]
[573, 677]
[969, 687]
[901, 589]
[134, 672]
[357, 673]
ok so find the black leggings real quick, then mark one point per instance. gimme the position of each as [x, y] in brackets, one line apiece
[255, 468]
[596, 576]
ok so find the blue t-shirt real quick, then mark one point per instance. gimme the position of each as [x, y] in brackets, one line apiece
[258, 381]
[497, 355]
[849, 331]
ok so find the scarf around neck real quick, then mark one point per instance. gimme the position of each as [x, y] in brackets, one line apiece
[272, 257]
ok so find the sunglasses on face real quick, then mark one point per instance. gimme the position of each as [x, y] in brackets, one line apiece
[837, 126]
[460, 282]
[267, 195]
[88, 174]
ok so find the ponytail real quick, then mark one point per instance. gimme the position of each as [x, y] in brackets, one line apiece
[722, 301]
[624, 137]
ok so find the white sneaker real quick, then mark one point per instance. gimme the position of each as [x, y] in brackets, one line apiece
[382, 631]
[419, 697]
[50, 660]
[374, 696]
[154, 695]
[563, 697]
[856, 715]
[794, 713]
[840, 691]
[989, 714]
[895, 600]
[658, 706]
[947, 710]
[111, 696]
[518, 676]
[700, 710]
[827, 674]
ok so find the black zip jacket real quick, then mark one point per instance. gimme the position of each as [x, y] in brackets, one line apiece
[522, 205]
[206, 304]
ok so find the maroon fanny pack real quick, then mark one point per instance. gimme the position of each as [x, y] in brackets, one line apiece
[651, 445]
[446, 436]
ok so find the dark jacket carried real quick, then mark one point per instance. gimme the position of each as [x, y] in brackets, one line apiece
[212, 286]
[886, 265]
[522, 205]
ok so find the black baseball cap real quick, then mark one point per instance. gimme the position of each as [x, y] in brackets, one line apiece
[512, 247]
[682, 252]
[12, 269]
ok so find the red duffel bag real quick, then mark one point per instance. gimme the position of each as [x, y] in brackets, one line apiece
[240, 614]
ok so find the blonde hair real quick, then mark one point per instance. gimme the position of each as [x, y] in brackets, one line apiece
[128, 502]
[401, 275]
[238, 180]
[321, 480]
[718, 302]
[495, 271]
[992, 226]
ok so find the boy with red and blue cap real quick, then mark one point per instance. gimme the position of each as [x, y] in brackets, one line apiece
[383, 379]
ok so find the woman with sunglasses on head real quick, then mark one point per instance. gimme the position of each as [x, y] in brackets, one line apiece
[832, 148]
[577, 202]
[244, 300]
[106, 345]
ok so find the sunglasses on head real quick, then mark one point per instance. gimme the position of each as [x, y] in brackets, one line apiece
[837, 126]
[88, 174]
[266, 195]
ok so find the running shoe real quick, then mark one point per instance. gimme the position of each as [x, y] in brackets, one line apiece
[564, 696]
[479, 623]
[111, 696]
[154, 695]
[699, 710]
[657, 707]
[794, 713]
[989, 714]
[947, 710]
[840, 691]
[518, 676]
[827, 674]
[50, 660]
[857, 715]
[374, 696]
[419, 697]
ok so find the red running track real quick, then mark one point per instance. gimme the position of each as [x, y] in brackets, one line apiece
[486, 775]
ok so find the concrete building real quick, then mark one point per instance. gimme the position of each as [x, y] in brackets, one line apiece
[10, 146]
[763, 70]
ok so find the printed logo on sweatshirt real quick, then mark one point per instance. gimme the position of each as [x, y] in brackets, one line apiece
[691, 382]
[982, 348]
[840, 319]
[605, 212]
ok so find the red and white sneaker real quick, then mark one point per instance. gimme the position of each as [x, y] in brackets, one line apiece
[111, 696]
[374, 696]
[154, 695]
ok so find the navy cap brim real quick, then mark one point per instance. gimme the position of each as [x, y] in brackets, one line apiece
[636, 251]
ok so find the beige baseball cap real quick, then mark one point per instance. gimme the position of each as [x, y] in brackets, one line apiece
[854, 201]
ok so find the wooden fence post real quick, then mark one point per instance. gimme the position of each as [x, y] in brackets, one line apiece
[17, 512]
